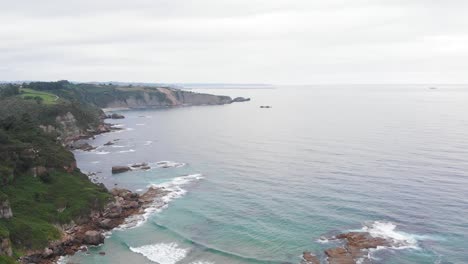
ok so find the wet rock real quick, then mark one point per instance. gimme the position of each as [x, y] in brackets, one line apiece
[109, 143]
[93, 238]
[120, 169]
[138, 165]
[102, 253]
[265, 106]
[339, 256]
[145, 168]
[309, 258]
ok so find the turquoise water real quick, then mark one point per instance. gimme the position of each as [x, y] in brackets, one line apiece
[266, 184]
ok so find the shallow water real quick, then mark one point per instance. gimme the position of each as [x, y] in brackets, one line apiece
[266, 184]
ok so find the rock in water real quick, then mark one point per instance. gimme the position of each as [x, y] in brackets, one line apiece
[120, 169]
[309, 258]
[109, 143]
[93, 238]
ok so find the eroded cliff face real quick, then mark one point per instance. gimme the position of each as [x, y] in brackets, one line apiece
[166, 97]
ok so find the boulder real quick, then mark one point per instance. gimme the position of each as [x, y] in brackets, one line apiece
[114, 210]
[93, 238]
[120, 169]
[106, 224]
[47, 253]
[309, 258]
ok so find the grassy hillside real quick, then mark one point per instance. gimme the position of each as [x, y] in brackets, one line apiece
[44, 97]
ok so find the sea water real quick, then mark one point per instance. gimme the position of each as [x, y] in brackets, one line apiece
[262, 185]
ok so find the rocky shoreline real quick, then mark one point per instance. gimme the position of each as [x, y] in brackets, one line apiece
[355, 249]
[90, 232]
[76, 237]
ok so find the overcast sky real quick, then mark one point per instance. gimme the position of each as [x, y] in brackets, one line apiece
[237, 41]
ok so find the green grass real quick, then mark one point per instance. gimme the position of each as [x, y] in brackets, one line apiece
[7, 260]
[47, 98]
[37, 206]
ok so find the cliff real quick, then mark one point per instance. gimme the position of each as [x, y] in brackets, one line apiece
[167, 97]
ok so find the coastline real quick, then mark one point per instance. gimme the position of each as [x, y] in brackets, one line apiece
[77, 236]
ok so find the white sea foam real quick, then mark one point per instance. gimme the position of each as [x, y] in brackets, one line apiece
[118, 146]
[169, 164]
[118, 125]
[162, 253]
[96, 162]
[101, 152]
[127, 151]
[322, 240]
[202, 262]
[140, 124]
[387, 230]
[174, 191]
[149, 142]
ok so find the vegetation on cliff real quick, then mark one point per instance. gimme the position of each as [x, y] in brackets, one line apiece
[38, 176]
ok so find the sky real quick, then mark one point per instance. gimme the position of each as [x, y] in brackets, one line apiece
[237, 41]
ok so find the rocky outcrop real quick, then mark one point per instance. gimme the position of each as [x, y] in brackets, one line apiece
[5, 210]
[355, 249]
[76, 237]
[120, 169]
[240, 99]
[81, 146]
[93, 237]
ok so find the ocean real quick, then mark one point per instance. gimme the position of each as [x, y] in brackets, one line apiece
[262, 185]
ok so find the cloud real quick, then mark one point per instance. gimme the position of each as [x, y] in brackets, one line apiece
[265, 41]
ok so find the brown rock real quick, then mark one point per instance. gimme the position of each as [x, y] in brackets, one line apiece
[106, 224]
[339, 256]
[309, 258]
[47, 253]
[93, 238]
